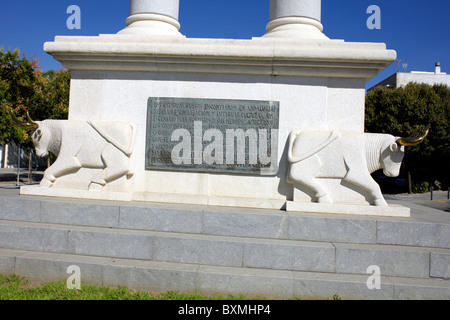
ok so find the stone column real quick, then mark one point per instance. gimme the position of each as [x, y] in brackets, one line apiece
[295, 19]
[153, 17]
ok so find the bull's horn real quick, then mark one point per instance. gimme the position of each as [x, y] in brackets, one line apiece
[29, 119]
[29, 125]
[413, 140]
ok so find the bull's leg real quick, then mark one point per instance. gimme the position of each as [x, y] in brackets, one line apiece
[365, 181]
[116, 166]
[304, 173]
[62, 166]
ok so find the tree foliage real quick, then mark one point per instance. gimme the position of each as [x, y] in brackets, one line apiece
[17, 82]
[401, 112]
[51, 99]
[24, 87]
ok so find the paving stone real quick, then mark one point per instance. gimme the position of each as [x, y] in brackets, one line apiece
[151, 275]
[392, 260]
[261, 283]
[23, 209]
[440, 263]
[31, 236]
[290, 255]
[414, 233]
[262, 225]
[322, 285]
[115, 244]
[319, 228]
[160, 219]
[421, 289]
[80, 214]
[196, 249]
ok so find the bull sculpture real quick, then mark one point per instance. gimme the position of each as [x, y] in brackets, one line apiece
[351, 157]
[83, 144]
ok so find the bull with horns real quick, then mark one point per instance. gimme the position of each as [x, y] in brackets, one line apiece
[83, 144]
[351, 157]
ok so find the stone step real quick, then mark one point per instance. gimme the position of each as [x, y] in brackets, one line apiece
[232, 251]
[270, 224]
[254, 282]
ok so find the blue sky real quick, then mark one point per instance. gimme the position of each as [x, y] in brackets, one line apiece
[418, 30]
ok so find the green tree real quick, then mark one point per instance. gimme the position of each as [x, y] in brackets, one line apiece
[17, 88]
[24, 87]
[401, 112]
[51, 99]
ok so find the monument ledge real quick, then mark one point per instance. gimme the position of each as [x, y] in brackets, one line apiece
[258, 56]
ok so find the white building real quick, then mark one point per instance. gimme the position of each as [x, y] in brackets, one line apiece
[401, 79]
[9, 157]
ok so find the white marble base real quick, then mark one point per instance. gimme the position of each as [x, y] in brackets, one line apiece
[153, 197]
[75, 193]
[365, 210]
[239, 202]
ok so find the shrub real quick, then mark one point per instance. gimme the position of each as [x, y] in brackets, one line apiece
[421, 187]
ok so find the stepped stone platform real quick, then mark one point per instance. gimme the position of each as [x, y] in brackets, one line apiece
[214, 250]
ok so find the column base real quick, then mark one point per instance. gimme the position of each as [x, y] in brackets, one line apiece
[152, 24]
[295, 28]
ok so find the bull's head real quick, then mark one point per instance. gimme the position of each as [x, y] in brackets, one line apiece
[392, 157]
[41, 135]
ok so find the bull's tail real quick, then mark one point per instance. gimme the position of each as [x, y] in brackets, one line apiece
[131, 167]
[293, 159]
[126, 150]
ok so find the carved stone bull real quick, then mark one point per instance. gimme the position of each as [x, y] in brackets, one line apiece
[351, 157]
[83, 144]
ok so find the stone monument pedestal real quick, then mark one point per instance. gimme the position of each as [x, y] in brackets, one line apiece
[316, 84]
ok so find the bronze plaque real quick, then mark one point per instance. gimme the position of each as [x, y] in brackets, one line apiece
[212, 135]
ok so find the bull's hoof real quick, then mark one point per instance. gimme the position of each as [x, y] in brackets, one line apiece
[380, 203]
[95, 187]
[45, 183]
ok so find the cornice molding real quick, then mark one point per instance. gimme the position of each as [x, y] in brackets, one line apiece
[258, 56]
